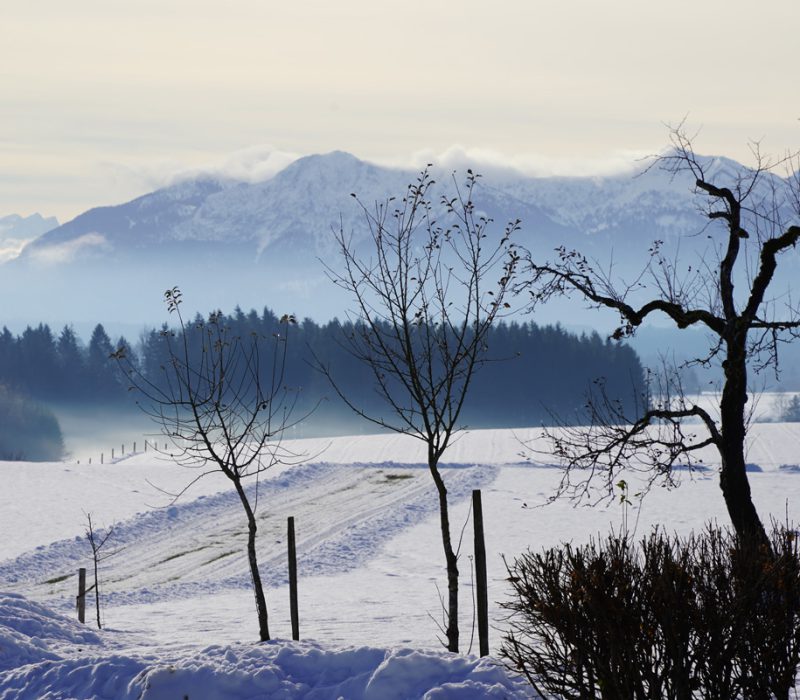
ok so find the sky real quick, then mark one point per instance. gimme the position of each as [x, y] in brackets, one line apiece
[104, 100]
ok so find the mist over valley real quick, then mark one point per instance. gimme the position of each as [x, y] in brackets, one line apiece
[269, 245]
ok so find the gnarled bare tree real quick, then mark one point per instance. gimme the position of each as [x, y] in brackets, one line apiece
[223, 404]
[754, 220]
[425, 296]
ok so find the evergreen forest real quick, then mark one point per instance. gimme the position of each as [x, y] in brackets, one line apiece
[535, 374]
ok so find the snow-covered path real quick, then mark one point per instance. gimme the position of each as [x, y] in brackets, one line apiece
[344, 515]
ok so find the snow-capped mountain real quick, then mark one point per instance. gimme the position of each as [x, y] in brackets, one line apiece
[292, 213]
[263, 243]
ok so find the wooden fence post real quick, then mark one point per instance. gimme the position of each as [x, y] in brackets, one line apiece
[293, 582]
[101, 458]
[81, 599]
[480, 574]
[112, 453]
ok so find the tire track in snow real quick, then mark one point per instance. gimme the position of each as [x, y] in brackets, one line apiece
[344, 514]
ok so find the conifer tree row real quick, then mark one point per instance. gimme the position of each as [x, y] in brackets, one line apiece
[541, 371]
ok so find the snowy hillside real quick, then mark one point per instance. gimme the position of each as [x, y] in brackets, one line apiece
[178, 608]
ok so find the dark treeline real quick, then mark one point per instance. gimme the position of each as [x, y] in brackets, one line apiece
[535, 373]
[50, 367]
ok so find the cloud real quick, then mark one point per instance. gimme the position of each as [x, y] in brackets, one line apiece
[10, 248]
[490, 161]
[60, 253]
[262, 162]
[253, 164]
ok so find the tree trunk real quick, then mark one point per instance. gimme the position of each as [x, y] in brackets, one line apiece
[450, 557]
[733, 474]
[96, 590]
[258, 588]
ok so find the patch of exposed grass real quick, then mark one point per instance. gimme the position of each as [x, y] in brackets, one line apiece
[181, 554]
[58, 579]
[217, 558]
[398, 477]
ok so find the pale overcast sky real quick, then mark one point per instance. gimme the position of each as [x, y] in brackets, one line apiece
[103, 100]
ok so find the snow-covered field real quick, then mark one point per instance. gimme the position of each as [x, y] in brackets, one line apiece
[178, 611]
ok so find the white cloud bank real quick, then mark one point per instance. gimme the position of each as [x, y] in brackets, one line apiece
[10, 248]
[262, 162]
[60, 253]
[253, 164]
[489, 161]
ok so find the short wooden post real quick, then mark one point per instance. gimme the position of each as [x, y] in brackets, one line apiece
[81, 599]
[482, 596]
[293, 582]
[112, 453]
[134, 448]
[145, 445]
[101, 458]
[122, 451]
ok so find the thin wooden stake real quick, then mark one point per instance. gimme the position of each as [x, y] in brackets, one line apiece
[81, 599]
[293, 582]
[480, 574]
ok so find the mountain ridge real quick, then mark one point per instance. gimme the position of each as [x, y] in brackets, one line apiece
[255, 243]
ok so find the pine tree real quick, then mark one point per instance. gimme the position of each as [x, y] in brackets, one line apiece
[103, 372]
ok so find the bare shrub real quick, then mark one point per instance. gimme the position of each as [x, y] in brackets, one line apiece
[708, 616]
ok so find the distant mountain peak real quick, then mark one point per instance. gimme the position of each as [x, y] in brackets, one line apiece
[17, 231]
[336, 156]
[325, 162]
[34, 222]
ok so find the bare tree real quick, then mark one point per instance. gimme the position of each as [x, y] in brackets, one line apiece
[425, 297]
[726, 294]
[223, 404]
[97, 541]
